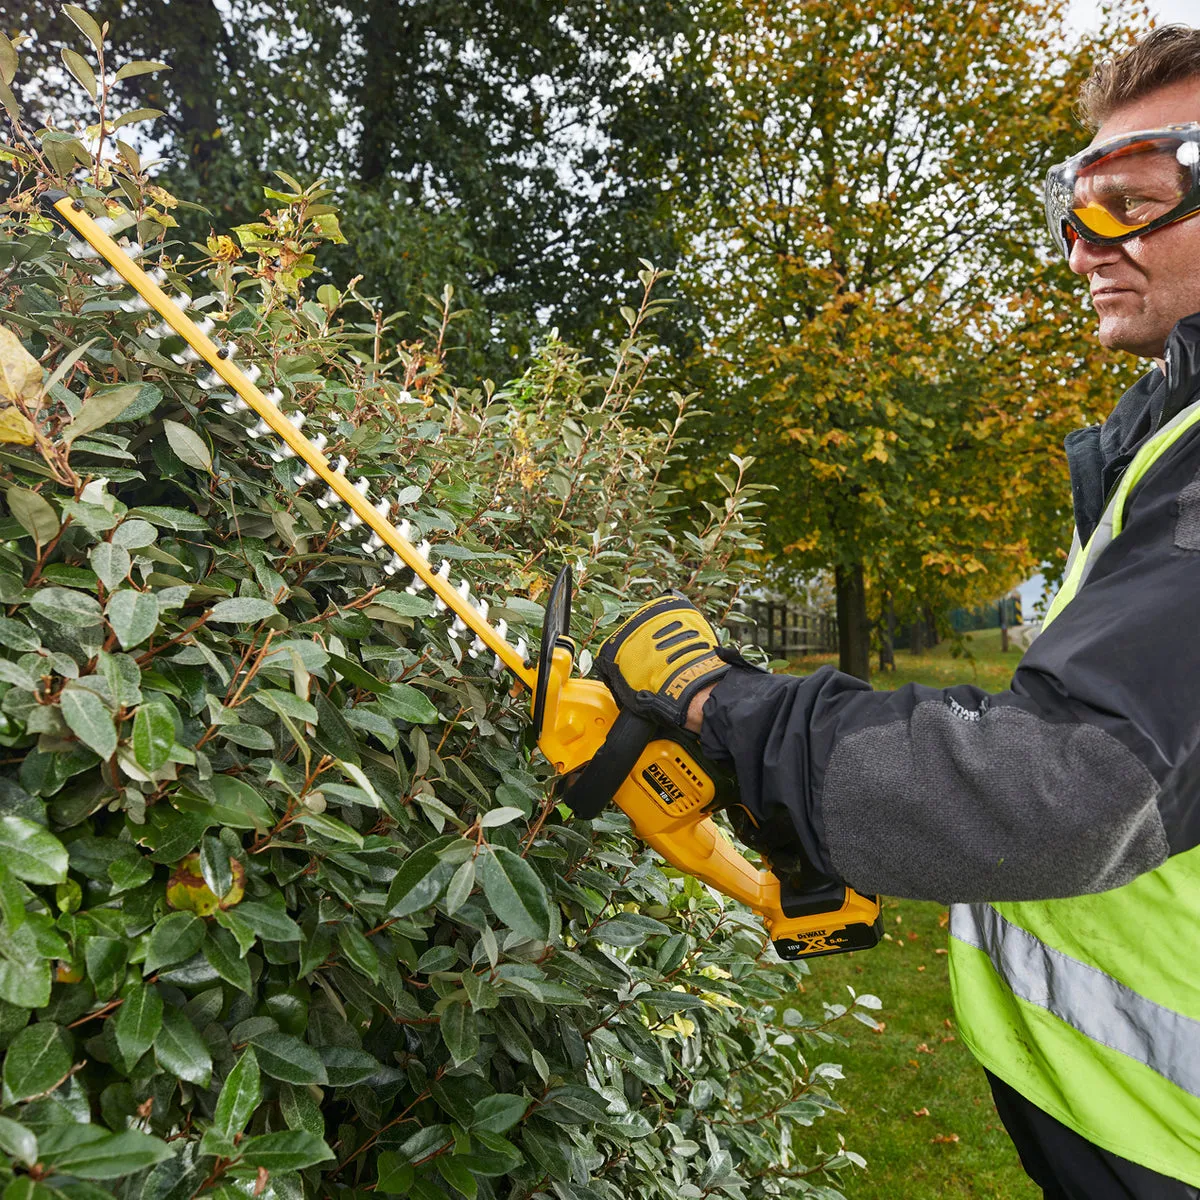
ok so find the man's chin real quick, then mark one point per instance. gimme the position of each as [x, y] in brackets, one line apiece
[1117, 333]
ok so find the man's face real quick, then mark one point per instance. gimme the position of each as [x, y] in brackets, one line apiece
[1142, 287]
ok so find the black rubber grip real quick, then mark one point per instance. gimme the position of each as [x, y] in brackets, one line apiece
[597, 782]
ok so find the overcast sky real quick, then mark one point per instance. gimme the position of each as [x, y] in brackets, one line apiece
[1086, 12]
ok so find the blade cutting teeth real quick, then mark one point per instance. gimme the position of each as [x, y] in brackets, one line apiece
[237, 404]
[331, 497]
[260, 429]
[107, 278]
[522, 648]
[396, 564]
[375, 543]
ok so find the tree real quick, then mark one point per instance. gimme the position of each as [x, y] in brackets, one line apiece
[513, 149]
[890, 338]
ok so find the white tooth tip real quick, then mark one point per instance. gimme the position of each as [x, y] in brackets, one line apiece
[275, 395]
[502, 628]
[210, 381]
[351, 522]
[362, 486]
[522, 648]
[482, 607]
[107, 278]
[439, 604]
[252, 372]
[138, 305]
[342, 463]
[423, 550]
[404, 529]
[464, 590]
[397, 564]
[383, 507]
[320, 441]
[443, 571]
[184, 302]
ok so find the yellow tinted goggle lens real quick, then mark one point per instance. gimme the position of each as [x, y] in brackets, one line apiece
[1132, 187]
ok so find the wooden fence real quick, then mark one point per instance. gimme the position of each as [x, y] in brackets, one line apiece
[785, 628]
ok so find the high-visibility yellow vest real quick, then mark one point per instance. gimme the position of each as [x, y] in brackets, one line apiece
[1090, 1006]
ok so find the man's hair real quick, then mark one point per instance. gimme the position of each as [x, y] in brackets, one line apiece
[1168, 55]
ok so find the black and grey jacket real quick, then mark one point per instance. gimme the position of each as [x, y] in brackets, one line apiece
[1080, 777]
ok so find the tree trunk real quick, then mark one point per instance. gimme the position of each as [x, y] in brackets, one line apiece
[1004, 626]
[854, 627]
[887, 635]
[916, 637]
[931, 629]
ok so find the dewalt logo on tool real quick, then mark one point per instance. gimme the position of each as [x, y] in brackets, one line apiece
[669, 791]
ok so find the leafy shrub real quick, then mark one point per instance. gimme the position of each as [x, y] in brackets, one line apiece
[287, 906]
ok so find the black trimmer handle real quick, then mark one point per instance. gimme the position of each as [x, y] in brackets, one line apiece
[596, 783]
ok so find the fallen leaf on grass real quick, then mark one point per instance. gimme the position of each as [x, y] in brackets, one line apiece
[920, 1112]
[942, 1139]
[941, 950]
[923, 1048]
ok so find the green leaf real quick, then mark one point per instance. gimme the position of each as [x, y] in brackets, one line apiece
[330, 827]
[221, 952]
[405, 604]
[129, 70]
[16, 635]
[416, 885]
[409, 704]
[88, 718]
[332, 733]
[81, 69]
[242, 610]
[31, 852]
[460, 1032]
[133, 534]
[111, 564]
[133, 616]
[153, 735]
[347, 1066]
[240, 1095]
[18, 1142]
[175, 938]
[180, 1049]
[288, 1058]
[138, 1020]
[35, 514]
[216, 866]
[110, 1157]
[86, 24]
[67, 607]
[288, 1150]
[265, 921]
[358, 950]
[499, 1113]
[37, 1059]
[515, 892]
[132, 118]
[188, 445]
[105, 959]
[98, 410]
[236, 804]
[25, 984]
[300, 1110]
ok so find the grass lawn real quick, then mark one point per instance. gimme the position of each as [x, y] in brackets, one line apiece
[917, 1105]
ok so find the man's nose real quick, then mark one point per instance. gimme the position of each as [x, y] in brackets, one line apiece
[1086, 256]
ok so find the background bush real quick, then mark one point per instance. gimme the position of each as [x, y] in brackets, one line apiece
[287, 908]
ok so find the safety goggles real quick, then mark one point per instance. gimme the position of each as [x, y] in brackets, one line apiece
[1125, 188]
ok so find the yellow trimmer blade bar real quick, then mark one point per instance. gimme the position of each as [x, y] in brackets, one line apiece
[471, 613]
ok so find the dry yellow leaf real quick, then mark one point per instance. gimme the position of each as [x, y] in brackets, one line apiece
[20, 372]
[15, 428]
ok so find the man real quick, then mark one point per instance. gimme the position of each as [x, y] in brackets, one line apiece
[1062, 816]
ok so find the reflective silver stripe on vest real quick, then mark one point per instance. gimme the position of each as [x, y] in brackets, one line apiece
[1096, 1004]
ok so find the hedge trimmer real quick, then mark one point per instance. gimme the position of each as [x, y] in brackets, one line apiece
[661, 781]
